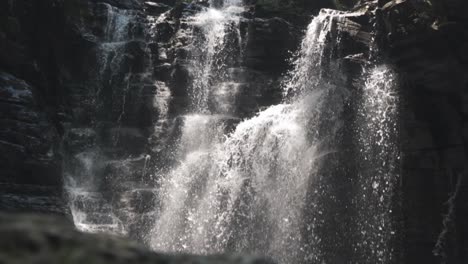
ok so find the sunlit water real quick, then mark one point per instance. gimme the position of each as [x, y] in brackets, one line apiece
[245, 190]
[379, 158]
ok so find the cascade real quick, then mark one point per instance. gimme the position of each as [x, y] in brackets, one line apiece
[216, 47]
[249, 191]
[264, 185]
[234, 131]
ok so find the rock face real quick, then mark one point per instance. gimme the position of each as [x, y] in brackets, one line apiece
[28, 137]
[33, 238]
[427, 44]
[30, 171]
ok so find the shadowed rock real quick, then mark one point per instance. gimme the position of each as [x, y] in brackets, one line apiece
[43, 239]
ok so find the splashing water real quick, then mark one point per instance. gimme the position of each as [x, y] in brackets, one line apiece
[308, 70]
[246, 193]
[379, 155]
[90, 211]
[215, 50]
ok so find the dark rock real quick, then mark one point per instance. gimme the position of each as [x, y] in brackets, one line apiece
[33, 198]
[166, 2]
[27, 146]
[297, 12]
[33, 238]
[423, 41]
[154, 8]
[269, 44]
[124, 4]
[79, 139]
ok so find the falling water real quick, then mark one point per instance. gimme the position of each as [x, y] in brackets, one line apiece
[246, 192]
[214, 49]
[249, 189]
[118, 31]
[378, 174]
[90, 211]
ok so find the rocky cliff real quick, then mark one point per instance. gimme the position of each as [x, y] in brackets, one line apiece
[427, 42]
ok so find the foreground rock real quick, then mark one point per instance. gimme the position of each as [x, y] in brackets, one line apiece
[41, 239]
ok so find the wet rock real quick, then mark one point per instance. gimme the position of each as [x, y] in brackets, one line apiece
[28, 147]
[32, 238]
[297, 12]
[423, 42]
[33, 198]
[153, 8]
[269, 44]
[79, 139]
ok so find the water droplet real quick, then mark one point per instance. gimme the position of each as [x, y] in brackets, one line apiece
[375, 185]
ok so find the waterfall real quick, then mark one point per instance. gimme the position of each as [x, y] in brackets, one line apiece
[252, 190]
[245, 192]
[264, 185]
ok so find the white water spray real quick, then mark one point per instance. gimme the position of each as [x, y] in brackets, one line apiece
[246, 193]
